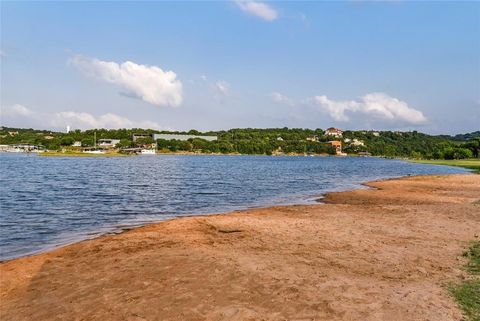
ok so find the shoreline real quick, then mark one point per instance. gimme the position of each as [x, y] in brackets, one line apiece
[364, 254]
[319, 199]
[116, 230]
[60, 154]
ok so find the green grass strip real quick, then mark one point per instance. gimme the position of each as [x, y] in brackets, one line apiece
[466, 163]
[467, 293]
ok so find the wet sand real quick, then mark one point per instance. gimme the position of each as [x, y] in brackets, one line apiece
[376, 254]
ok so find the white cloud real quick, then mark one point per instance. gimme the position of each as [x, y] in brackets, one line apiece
[85, 121]
[259, 9]
[282, 99]
[16, 110]
[19, 115]
[336, 109]
[222, 88]
[149, 83]
[375, 105]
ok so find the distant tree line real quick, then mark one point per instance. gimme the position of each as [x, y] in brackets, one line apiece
[266, 141]
[416, 145]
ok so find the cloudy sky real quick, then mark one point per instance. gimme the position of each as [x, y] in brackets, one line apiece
[217, 65]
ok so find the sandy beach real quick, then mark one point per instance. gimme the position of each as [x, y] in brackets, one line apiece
[384, 253]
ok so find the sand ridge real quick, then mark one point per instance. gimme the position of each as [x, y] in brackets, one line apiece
[377, 254]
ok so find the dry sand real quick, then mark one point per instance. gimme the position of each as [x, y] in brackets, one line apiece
[378, 254]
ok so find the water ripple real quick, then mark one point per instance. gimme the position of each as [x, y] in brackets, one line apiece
[47, 201]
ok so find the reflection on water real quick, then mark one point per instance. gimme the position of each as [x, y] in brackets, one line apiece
[49, 201]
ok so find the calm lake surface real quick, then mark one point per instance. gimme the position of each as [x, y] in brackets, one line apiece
[51, 201]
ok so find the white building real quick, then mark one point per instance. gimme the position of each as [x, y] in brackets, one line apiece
[357, 142]
[107, 142]
[335, 132]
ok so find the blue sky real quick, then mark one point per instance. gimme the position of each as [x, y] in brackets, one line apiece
[217, 65]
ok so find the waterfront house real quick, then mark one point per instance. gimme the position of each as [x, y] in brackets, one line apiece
[357, 142]
[21, 148]
[335, 132]
[337, 145]
[108, 143]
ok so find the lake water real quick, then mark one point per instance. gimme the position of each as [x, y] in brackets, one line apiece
[51, 201]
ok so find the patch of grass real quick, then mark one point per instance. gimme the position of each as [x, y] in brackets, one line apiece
[473, 255]
[473, 163]
[467, 293]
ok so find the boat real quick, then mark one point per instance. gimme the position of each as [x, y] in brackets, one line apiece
[96, 151]
[147, 152]
[20, 148]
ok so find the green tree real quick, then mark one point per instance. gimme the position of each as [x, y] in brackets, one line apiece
[124, 143]
[144, 141]
[416, 155]
[438, 154]
[86, 142]
[462, 153]
[184, 145]
[67, 141]
[52, 145]
[474, 146]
